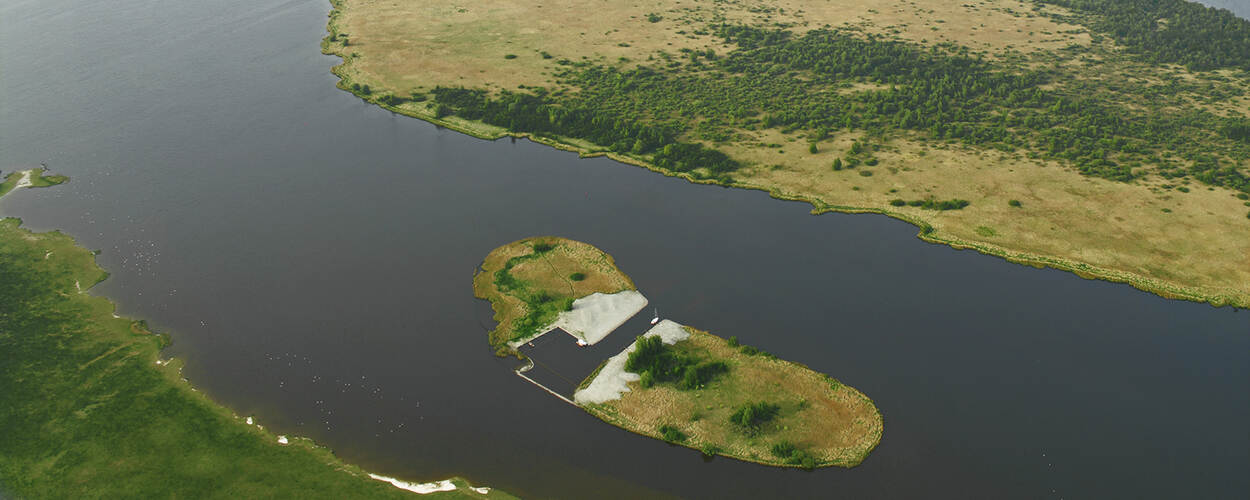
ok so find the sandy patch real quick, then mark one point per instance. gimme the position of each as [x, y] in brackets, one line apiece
[421, 488]
[613, 380]
[596, 315]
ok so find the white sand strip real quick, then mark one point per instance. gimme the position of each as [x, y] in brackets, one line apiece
[421, 488]
[24, 182]
[613, 380]
[594, 316]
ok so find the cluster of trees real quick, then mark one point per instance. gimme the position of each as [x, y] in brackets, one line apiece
[1170, 31]
[657, 362]
[939, 91]
[775, 79]
[541, 114]
[932, 204]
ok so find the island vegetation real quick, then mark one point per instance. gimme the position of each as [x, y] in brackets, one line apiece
[1084, 135]
[90, 410]
[531, 281]
[722, 398]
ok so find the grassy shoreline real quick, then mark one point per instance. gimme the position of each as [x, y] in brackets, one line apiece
[331, 45]
[90, 409]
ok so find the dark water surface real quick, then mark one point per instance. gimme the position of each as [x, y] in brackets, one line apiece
[312, 254]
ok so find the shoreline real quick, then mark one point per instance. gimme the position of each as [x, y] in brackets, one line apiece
[144, 343]
[927, 233]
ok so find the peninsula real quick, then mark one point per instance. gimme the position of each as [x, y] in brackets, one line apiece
[89, 408]
[674, 383]
[1106, 138]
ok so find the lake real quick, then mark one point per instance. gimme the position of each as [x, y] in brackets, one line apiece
[311, 256]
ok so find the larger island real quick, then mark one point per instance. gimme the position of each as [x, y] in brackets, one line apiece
[1108, 138]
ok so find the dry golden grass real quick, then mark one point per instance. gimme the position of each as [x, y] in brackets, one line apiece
[834, 423]
[548, 272]
[1097, 228]
[406, 45]
[1116, 226]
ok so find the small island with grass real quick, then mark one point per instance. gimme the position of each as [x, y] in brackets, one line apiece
[32, 178]
[674, 383]
[537, 284]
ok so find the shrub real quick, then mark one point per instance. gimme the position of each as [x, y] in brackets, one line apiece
[1013, 203]
[710, 450]
[898, 202]
[812, 148]
[783, 449]
[748, 350]
[654, 18]
[871, 161]
[752, 416]
[509, 56]
[671, 434]
[792, 455]
[837, 164]
[698, 376]
[545, 55]
[733, 341]
[1243, 196]
[577, 276]
[647, 380]
[543, 247]
[865, 173]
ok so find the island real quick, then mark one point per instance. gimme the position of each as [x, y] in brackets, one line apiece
[1108, 138]
[673, 382]
[89, 407]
